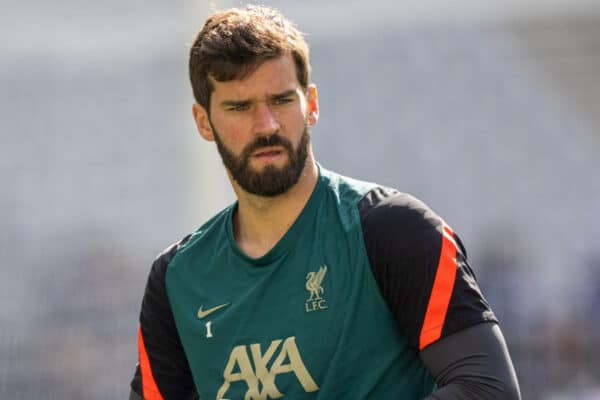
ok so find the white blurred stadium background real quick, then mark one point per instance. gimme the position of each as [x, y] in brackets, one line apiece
[489, 111]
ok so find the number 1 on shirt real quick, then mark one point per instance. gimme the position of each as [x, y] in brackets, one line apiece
[208, 331]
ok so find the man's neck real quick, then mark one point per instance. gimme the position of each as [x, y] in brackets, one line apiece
[260, 222]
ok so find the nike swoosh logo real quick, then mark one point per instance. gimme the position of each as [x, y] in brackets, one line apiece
[203, 313]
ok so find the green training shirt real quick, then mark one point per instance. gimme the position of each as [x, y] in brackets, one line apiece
[338, 309]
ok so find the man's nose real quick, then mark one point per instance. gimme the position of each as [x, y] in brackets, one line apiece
[265, 121]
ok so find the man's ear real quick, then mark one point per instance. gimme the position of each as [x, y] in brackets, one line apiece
[202, 122]
[312, 100]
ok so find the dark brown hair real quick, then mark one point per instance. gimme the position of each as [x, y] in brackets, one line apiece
[233, 43]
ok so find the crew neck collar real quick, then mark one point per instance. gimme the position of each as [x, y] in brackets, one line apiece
[289, 238]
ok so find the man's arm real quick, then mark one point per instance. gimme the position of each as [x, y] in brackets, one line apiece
[472, 364]
[422, 271]
[163, 371]
[134, 396]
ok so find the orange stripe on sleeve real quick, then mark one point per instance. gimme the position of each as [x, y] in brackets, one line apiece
[441, 292]
[149, 389]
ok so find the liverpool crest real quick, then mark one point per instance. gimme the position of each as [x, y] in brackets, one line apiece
[315, 299]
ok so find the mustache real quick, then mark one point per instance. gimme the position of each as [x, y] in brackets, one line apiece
[268, 141]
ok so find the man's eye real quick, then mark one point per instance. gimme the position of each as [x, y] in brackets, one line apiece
[283, 100]
[238, 108]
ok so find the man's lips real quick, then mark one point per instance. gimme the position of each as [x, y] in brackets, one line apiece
[268, 152]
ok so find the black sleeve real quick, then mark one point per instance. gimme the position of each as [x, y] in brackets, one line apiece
[472, 364]
[134, 396]
[421, 268]
[163, 371]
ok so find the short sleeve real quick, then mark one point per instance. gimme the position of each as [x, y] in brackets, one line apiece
[421, 268]
[163, 371]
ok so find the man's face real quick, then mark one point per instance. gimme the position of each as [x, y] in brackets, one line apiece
[271, 180]
[261, 126]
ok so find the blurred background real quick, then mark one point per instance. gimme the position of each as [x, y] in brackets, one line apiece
[488, 111]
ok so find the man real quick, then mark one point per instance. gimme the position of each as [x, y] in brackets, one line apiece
[312, 285]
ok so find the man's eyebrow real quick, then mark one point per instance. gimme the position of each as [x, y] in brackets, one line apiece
[238, 103]
[234, 103]
[282, 95]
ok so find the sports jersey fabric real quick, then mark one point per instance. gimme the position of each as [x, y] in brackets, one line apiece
[338, 308]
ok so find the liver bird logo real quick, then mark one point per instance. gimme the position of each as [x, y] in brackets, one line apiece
[313, 283]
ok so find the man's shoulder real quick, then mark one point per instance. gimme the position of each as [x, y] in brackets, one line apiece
[391, 212]
[384, 211]
[344, 186]
[216, 225]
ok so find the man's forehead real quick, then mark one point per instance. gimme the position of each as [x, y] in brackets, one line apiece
[271, 77]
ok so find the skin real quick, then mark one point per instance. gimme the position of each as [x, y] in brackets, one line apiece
[267, 101]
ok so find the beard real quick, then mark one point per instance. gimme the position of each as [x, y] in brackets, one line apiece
[272, 180]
